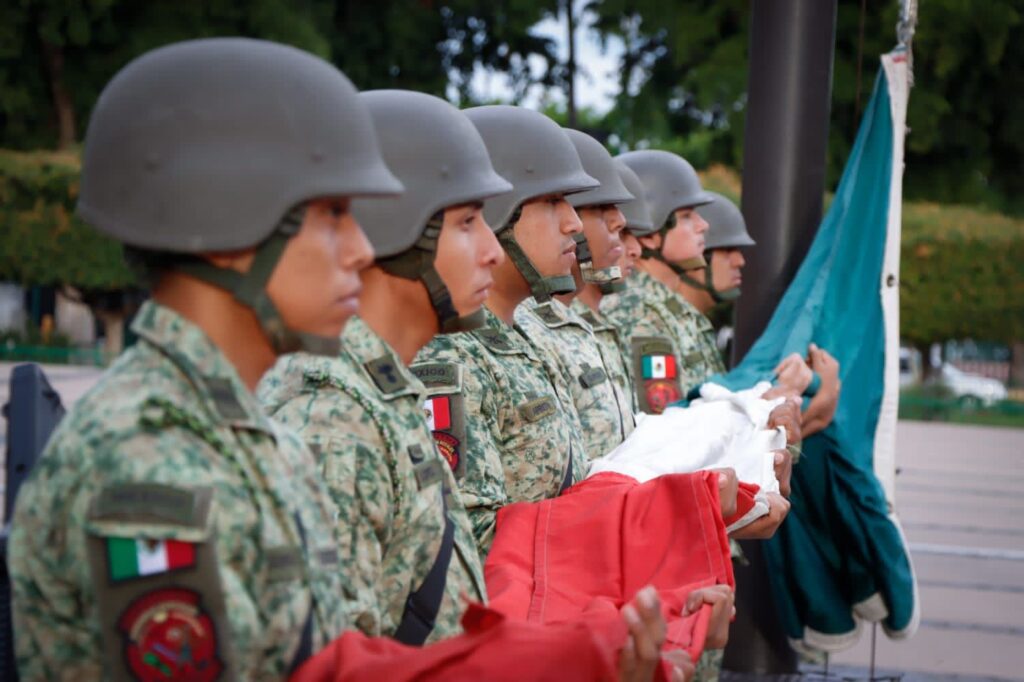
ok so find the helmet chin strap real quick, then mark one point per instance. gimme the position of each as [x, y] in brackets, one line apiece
[681, 267]
[608, 280]
[250, 289]
[417, 263]
[708, 284]
[541, 288]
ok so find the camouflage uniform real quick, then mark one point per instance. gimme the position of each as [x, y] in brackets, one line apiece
[362, 414]
[512, 421]
[170, 446]
[613, 349]
[654, 321]
[604, 409]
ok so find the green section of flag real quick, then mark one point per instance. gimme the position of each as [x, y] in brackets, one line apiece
[123, 558]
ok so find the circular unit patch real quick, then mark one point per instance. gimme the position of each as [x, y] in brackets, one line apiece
[168, 637]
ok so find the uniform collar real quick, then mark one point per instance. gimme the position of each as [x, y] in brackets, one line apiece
[222, 392]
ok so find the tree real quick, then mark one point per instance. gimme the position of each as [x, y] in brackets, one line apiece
[684, 78]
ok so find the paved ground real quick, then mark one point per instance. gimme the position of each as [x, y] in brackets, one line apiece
[960, 494]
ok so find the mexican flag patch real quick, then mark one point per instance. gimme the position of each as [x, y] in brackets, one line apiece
[658, 366]
[437, 412]
[138, 557]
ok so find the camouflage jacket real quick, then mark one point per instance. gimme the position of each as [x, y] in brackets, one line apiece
[362, 414]
[513, 425]
[604, 409]
[667, 358]
[614, 350]
[171, 528]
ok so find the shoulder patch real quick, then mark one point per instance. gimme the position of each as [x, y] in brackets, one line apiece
[537, 409]
[169, 635]
[439, 374]
[655, 374]
[548, 315]
[385, 374]
[224, 398]
[446, 419]
[153, 503]
[161, 603]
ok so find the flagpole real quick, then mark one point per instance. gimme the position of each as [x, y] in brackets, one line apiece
[792, 43]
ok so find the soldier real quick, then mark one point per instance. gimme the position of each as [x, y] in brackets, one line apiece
[520, 439]
[170, 529]
[666, 363]
[636, 221]
[363, 411]
[596, 375]
[719, 283]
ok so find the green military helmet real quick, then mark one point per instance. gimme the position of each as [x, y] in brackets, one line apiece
[638, 215]
[670, 183]
[205, 145]
[597, 162]
[442, 161]
[726, 230]
[216, 144]
[533, 153]
[726, 227]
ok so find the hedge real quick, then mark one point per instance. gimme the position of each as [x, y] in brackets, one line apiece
[42, 242]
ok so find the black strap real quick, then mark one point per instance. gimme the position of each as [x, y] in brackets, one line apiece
[567, 481]
[305, 648]
[422, 605]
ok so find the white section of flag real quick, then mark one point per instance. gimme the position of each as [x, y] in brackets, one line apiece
[152, 556]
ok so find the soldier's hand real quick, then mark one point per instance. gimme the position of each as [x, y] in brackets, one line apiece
[823, 406]
[642, 651]
[683, 668]
[787, 415]
[793, 374]
[728, 489]
[784, 470]
[723, 608]
[765, 527]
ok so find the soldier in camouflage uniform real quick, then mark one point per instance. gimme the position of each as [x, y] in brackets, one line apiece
[363, 411]
[170, 530]
[520, 438]
[666, 363]
[636, 221]
[596, 374]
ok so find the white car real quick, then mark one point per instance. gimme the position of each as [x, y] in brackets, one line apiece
[972, 389]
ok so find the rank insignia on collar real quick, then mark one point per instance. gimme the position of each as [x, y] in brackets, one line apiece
[168, 636]
[384, 372]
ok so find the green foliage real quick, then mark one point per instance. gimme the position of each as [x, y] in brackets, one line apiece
[961, 275]
[41, 241]
[418, 44]
[685, 65]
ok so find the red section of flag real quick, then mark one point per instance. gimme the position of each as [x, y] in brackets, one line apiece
[670, 367]
[180, 554]
[442, 418]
